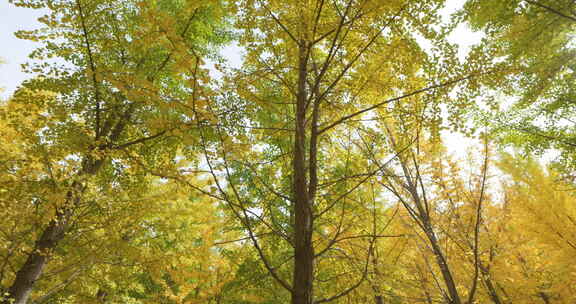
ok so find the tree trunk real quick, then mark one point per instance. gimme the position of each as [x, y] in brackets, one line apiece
[21, 288]
[303, 249]
[544, 297]
[444, 269]
[30, 271]
[378, 298]
[424, 217]
[490, 287]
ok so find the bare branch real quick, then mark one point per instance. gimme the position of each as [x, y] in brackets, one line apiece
[417, 92]
[92, 67]
[284, 28]
[378, 169]
[357, 284]
[140, 140]
[358, 55]
[552, 10]
[242, 239]
[241, 214]
[169, 56]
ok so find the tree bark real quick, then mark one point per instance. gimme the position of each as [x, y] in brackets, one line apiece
[444, 269]
[492, 292]
[303, 249]
[423, 216]
[31, 270]
[378, 298]
[21, 288]
[545, 298]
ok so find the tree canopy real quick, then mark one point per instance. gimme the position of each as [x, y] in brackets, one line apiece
[140, 166]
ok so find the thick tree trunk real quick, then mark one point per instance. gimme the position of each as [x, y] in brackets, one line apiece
[303, 249]
[21, 288]
[31, 270]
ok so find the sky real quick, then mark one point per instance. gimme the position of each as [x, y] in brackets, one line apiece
[14, 51]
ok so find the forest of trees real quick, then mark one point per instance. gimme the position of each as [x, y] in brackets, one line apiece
[138, 165]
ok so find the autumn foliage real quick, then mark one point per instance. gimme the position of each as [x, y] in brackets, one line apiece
[138, 165]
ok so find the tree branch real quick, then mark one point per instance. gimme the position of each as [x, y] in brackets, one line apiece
[92, 66]
[417, 92]
[552, 10]
[280, 24]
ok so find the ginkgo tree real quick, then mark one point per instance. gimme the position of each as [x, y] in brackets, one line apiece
[540, 231]
[313, 173]
[313, 72]
[116, 101]
[532, 43]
